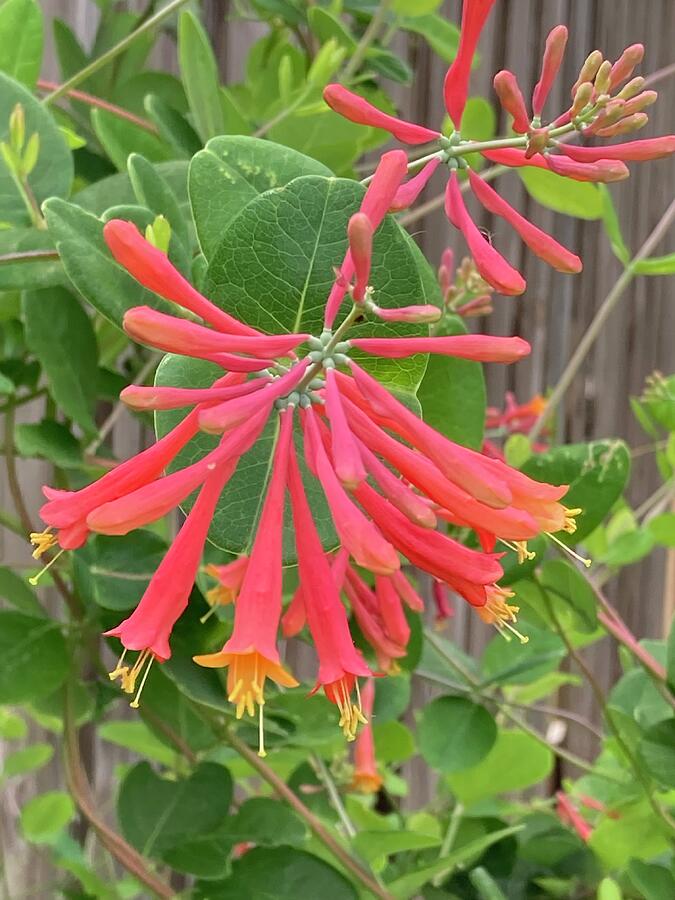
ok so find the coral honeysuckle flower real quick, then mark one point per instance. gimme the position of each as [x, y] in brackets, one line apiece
[595, 110]
[366, 778]
[569, 815]
[251, 653]
[230, 578]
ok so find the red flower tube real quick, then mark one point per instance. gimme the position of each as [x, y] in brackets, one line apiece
[346, 456]
[650, 148]
[511, 98]
[550, 66]
[358, 110]
[477, 347]
[456, 85]
[366, 778]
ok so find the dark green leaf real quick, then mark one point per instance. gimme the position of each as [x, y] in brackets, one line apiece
[612, 225]
[16, 591]
[60, 334]
[372, 844]
[120, 137]
[21, 39]
[580, 199]
[40, 271]
[567, 586]
[116, 189]
[53, 173]
[454, 733]
[137, 737]
[265, 822]
[441, 35]
[49, 440]
[157, 814]
[654, 882]
[656, 751]
[154, 192]
[629, 548]
[173, 127]
[34, 657]
[200, 76]
[389, 65]
[115, 571]
[230, 172]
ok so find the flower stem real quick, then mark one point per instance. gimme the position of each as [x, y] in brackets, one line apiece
[449, 839]
[98, 102]
[367, 38]
[594, 329]
[334, 794]
[110, 54]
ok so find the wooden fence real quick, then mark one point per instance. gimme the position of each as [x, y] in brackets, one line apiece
[556, 310]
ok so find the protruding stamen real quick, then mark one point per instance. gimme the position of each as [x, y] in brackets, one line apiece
[570, 525]
[35, 578]
[261, 733]
[582, 559]
[135, 702]
[42, 541]
[120, 669]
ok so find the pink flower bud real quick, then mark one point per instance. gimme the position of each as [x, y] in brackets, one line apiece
[634, 86]
[511, 99]
[546, 247]
[582, 97]
[360, 234]
[589, 69]
[623, 67]
[610, 114]
[490, 264]
[409, 191]
[479, 306]
[603, 171]
[456, 85]
[640, 102]
[651, 148]
[477, 347]
[602, 78]
[550, 65]
[627, 125]
[425, 313]
[358, 110]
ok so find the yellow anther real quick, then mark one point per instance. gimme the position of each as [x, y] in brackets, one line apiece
[582, 559]
[523, 553]
[35, 578]
[42, 541]
[501, 614]
[570, 525]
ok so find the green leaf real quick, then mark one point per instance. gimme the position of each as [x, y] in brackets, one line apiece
[120, 137]
[53, 173]
[670, 651]
[654, 882]
[657, 265]
[610, 220]
[408, 885]
[441, 35]
[173, 127]
[326, 26]
[153, 191]
[389, 65]
[115, 571]
[629, 548]
[510, 662]
[567, 586]
[116, 189]
[27, 273]
[26, 760]
[265, 822]
[16, 591]
[632, 835]
[233, 170]
[516, 761]
[452, 393]
[392, 697]
[415, 7]
[394, 742]
[282, 872]
[662, 529]
[454, 733]
[60, 334]
[580, 199]
[156, 814]
[137, 737]
[12, 727]
[49, 440]
[373, 844]
[43, 817]
[608, 889]
[200, 76]
[89, 264]
[21, 40]
[274, 269]
[656, 751]
[34, 657]
[597, 474]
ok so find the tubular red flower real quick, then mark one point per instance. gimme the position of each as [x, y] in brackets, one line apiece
[346, 457]
[416, 314]
[477, 347]
[603, 171]
[545, 246]
[152, 501]
[339, 661]
[511, 98]
[357, 534]
[365, 609]
[251, 652]
[360, 235]
[175, 335]
[152, 269]
[230, 578]
[398, 492]
[456, 85]
[395, 623]
[149, 626]
[409, 191]
[623, 67]
[550, 66]
[407, 592]
[358, 110]
[224, 416]
[650, 148]
[141, 397]
[491, 265]
[570, 815]
[366, 778]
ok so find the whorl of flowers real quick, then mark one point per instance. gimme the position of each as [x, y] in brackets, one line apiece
[389, 478]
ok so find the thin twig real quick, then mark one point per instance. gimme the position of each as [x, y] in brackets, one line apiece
[591, 334]
[334, 794]
[367, 38]
[99, 103]
[110, 54]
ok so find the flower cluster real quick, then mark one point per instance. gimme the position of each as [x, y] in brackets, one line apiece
[606, 102]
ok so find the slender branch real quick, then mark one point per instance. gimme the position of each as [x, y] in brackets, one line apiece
[283, 114]
[315, 824]
[99, 103]
[367, 38]
[28, 256]
[80, 789]
[593, 331]
[616, 732]
[449, 839]
[660, 75]
[110, 54]
[176, 739]
[334, 794]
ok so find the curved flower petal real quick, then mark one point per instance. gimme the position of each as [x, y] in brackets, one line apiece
[358, 110]
[478, 347]
[456, 85]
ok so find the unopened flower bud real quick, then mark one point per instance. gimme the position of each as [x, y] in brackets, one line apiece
[550, 65]
[159, 234]
[444, 280]
[589, 69]
[602, 77]
[610, 114]
[637, 104]
[627, 125]
[360, 234]
[633, 87]
[479, 306]
[30, 154]
[623, 67]
[582, 97]
[511, 99]
[424, 313]
[17, 129]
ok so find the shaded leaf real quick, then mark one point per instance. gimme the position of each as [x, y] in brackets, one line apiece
[454, 733]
